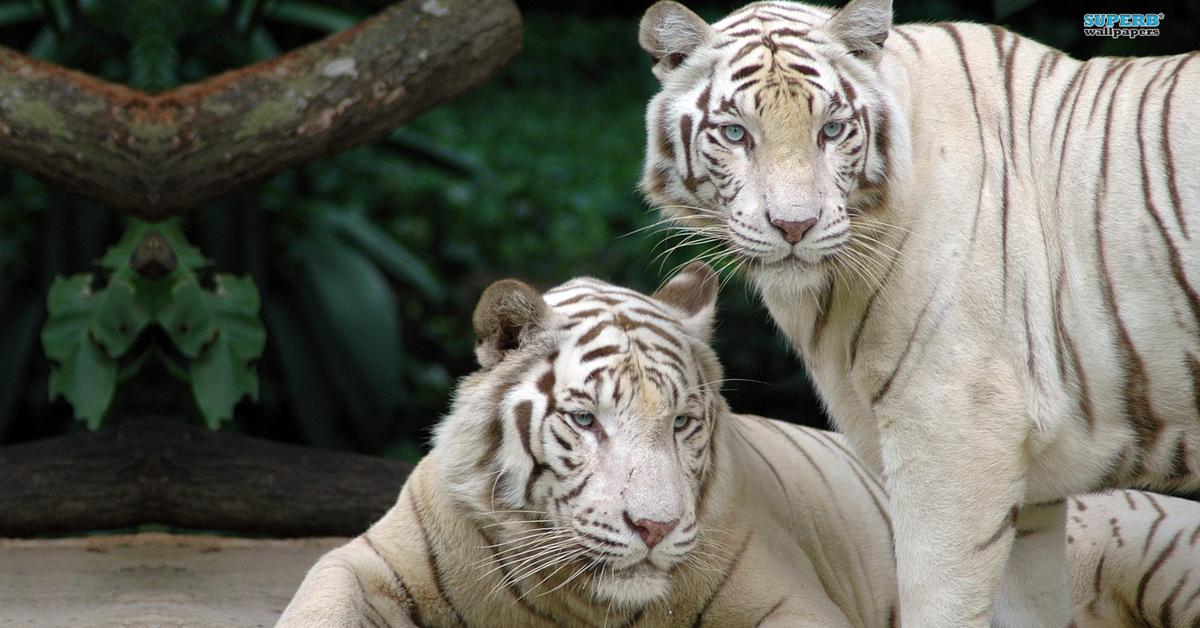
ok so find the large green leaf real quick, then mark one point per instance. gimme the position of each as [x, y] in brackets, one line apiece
[262, 45]
[423, 150]
[1005, 8]
[152, 27]
[305, 376]
[19, 11]
[84, 375]
[391, 256]
[187, 316]
[60, 13]
[353, 395]
[44, 45]
[221, 332]
[119, 318]
[358, 311]
[236, 304]
[311, 15]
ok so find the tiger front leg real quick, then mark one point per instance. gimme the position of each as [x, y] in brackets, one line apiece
[1035, 590]
[955, 471]
[347, 587]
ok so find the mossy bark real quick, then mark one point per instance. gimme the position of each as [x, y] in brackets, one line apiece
[156, 155]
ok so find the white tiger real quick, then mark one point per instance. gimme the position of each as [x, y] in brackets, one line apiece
[590, 474]
[981, 248]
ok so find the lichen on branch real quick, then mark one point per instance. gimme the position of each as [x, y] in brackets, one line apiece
[156, 155]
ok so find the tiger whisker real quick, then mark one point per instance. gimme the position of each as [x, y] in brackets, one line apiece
[875, 246]
[521, 539]
[867, 267]
[674, 231]
[526, 571]
[691, 240]
[703, 211]
[510, 546]
[527, 557]
[565, 582]
[854, 266]
[708, 254]
[564, 565]
[515, 522]
[686, 234]
[530, 547]
[534, 546]
[559, 560]
[680, 266]
[665, 220]
[875, 222]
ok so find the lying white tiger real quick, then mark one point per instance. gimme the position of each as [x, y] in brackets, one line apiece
[590, 474]
[983, 249]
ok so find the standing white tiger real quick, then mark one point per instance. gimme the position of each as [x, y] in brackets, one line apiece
[983, 250]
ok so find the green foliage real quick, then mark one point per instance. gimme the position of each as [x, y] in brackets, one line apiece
[312, 15]
[1006, 8]
[17, 12]
[221, 371]
[86, 375]
[214, 334]
[153, 27]
[369, 263]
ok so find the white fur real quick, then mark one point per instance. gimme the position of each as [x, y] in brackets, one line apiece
[960, 388]
[792, 532]
[759, 536]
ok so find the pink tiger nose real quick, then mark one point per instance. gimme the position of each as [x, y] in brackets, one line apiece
[793, 231]
[651, 531]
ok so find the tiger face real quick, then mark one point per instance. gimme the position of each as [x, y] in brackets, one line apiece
[770, 133]
[591, 425]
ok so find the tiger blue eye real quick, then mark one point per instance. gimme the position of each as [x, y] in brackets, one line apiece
[832, 129]
[681, 421]
[734, 132]
[583, 419]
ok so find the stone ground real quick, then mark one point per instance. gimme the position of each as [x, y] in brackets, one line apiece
[151, 579]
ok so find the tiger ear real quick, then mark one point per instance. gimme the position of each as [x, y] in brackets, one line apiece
[694, 292]
[862, 26]
[506, 313]
[669, 33]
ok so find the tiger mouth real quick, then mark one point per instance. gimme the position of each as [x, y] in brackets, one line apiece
[790, 262]
[642, 568]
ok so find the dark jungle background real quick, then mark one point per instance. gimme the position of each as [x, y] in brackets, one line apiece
[369, 263]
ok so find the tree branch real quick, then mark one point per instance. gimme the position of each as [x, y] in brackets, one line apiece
[156, 155]
[168, 472]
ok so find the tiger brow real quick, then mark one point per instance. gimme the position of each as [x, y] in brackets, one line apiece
[579, 393]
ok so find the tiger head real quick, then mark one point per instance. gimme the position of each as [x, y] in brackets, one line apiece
[584, 442]
[773, 133]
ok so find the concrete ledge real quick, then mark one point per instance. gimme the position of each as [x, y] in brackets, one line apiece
[152, 579]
